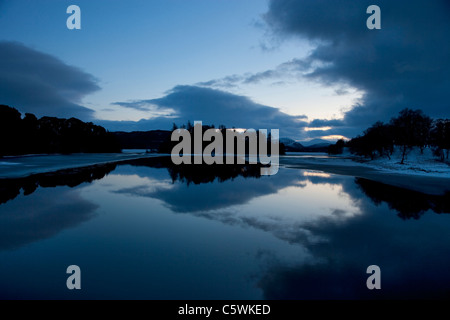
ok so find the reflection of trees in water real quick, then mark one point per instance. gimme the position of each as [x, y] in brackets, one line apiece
[197, 174]
[204, 174]
[201, 189]
[200, 173]
[50, 211]
[408, 203]
[10, 188]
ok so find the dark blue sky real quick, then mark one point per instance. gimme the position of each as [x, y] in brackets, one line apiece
[297, 66]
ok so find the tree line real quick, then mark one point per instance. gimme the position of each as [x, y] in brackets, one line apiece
[168, 145]
[30, 135]
[410, 129]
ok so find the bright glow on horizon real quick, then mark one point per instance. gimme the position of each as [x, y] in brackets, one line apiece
[318, 128]
[334, 137]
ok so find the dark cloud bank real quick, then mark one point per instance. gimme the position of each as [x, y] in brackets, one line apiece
[405, 64]
[210, 106]
[39, 83]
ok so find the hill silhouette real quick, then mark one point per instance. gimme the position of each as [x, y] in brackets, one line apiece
[149, 140]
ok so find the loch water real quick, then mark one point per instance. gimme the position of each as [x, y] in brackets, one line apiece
[148, 230]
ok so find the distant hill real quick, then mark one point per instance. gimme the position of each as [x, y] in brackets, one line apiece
[292, 145]
[149, 140]
[317, 143]
[152, 140]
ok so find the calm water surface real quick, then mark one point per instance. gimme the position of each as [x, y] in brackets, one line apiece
[145, 231]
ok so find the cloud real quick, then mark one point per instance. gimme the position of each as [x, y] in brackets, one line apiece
[339, 267]
[334, 247]
[212, 107]
[317, 123]
[39, 83]
[405, 64]
[34, 218]
[204, 199]
[146, 105]
[293, 69]
[225, 82]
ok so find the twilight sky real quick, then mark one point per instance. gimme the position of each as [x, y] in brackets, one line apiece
[310, 68]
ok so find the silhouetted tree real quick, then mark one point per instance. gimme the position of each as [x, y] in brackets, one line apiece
[30, 133]
[360, 146]
[337, 148]
[51, 135]
[10, 130]
[380, 138]
[440, 137]
[189, 126]
[375, 141]
[168, 145]
[411, 129]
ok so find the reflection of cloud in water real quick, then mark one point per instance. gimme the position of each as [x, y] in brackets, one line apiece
[191, 198]
[288, 213]
[146, 188]
[333, 221]
[413, 257]
[34, 217]
[280, 204]
[316, 174]
[10, 188]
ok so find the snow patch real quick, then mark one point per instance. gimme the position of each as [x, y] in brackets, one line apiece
[416, 162]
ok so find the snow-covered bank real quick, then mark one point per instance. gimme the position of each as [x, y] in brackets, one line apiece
[23, 166]
[421, 172]
[416, 163]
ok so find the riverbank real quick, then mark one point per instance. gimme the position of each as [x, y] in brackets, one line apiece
[24, 166]
[431, 179]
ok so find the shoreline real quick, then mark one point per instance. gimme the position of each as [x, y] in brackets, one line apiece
[19, 167]
[432, 184]
[26, 166]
